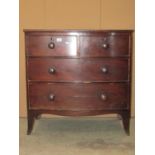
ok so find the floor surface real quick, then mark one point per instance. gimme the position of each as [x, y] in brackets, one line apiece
[76, 136]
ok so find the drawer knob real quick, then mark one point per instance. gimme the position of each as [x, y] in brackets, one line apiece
[105, 45]
[104, 97]
[51, 45]
[51, 70]
[51, 97]
[104, 69]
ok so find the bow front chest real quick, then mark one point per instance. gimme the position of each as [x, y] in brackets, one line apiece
[78, 73]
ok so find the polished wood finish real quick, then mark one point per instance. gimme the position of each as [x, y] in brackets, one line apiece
[51, 45]
[64, 96]
[104, 45]
[49, 69]
[78, 73]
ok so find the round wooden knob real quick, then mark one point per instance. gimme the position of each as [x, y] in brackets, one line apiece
[103, 97]
[51, 45]
[51, 97]
[105, 45]
[51, 70]
[104, 69]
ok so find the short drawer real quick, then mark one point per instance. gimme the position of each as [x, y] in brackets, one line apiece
[48, 69]
[105, 46]
[57, 96]
[51, 45]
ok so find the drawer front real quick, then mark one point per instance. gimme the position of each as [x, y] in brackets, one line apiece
[110, 45]
[51, 45]
[48, 69]
[58, 96]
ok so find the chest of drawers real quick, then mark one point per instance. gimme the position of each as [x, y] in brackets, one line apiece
[78, 73]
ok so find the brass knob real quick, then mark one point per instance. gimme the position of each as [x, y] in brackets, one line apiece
[105, 45]
[104, 97]
[104, 69]
[51, 70]
[51, 97]
[51, 45]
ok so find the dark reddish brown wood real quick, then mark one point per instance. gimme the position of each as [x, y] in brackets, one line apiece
[97, 81]
[125, 115]
[78, 96]
[104, 45]
[51, 45]
[78, 69]
[45, 32]
[75, 113]
[31, 117]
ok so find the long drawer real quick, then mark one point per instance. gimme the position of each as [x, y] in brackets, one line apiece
[56, 96]
[48, 69]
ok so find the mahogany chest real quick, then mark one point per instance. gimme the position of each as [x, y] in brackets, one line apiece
[78, 73]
